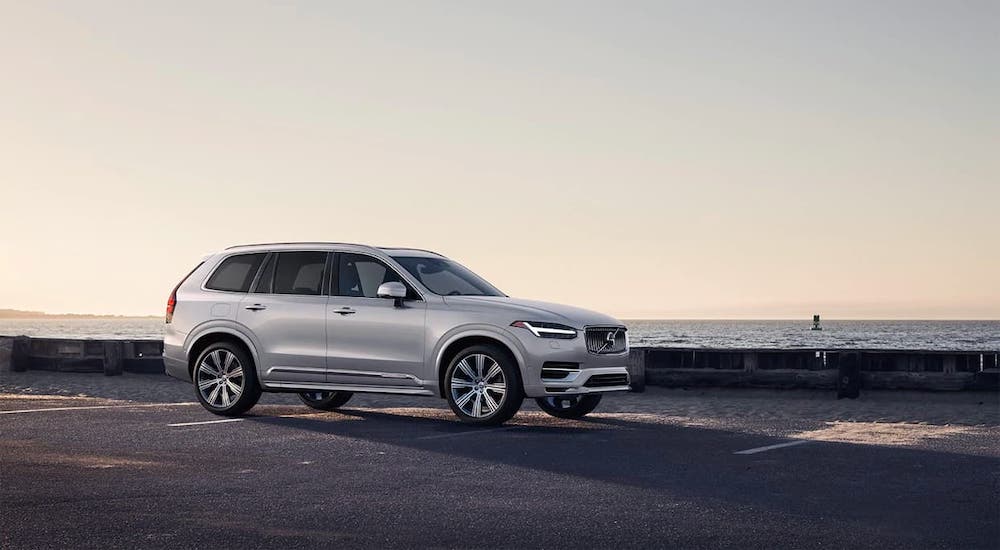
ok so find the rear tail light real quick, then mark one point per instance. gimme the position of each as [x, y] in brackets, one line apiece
[171, 304]
[172, 300]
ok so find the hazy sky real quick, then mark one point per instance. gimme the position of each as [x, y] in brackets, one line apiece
[660, 159]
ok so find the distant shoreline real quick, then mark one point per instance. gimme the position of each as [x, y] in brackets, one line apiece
[18, 314]
[39, 315]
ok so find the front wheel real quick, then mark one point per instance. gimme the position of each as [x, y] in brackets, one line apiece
[325, 400]
[483, 386]
[569, 406]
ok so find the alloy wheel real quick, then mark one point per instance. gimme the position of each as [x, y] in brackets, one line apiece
[478, 385]
[220, 379]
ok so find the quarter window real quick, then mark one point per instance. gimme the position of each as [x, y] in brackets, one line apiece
[299, 273]
[235, 273]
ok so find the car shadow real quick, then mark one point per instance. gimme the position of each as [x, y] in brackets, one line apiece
[698, 463]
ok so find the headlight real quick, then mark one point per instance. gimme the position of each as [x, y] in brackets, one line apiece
[547, 330]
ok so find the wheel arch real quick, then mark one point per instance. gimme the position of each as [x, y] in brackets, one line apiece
[461, 339]
[216, 334]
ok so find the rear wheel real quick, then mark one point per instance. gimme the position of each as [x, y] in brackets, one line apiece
[483, 386]
[325, 400]
[225, 380]
[569, 406]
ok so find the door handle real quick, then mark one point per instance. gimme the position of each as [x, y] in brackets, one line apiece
[256, 307]
[345, 311]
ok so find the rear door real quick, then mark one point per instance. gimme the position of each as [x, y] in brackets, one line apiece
[226, 287]
[286, 311]
[371, 341]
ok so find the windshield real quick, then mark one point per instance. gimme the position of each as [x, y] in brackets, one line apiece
[447, 278]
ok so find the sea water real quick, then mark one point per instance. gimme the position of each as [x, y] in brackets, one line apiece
[925, 335]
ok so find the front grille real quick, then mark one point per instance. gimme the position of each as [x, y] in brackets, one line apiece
[606, 340]
[607, 380]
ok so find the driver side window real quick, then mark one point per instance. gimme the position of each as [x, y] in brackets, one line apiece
[359, 276]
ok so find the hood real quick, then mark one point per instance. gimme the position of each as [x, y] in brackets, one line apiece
[531, 310]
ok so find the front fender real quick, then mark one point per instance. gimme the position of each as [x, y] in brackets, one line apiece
[480, 330]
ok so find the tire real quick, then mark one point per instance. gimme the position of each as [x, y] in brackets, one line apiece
[225, 380]
[325, 400]
[477, 393]
[569, 406]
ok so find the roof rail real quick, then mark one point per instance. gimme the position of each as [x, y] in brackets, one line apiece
[294, 243]
[327, 243]
[409, 248]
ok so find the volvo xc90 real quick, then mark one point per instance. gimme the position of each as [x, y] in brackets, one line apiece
[327, 320]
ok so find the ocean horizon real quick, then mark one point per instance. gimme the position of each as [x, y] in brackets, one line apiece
[680, 333]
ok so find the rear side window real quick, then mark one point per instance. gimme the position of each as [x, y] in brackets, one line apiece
[235, 273]
[299, 273]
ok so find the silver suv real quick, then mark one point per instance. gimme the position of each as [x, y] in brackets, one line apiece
[326, 320]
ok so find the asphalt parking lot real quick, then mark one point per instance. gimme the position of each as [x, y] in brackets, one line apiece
[665, 469]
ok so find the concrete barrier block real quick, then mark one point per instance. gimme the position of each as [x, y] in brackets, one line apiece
[6, 349]
[636, 366]
[113, 358]
[849, 376]
[19, 354]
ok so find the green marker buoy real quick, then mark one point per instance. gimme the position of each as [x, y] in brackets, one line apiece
[816, 323]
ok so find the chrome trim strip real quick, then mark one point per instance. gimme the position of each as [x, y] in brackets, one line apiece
[345, 372]
[374, 374]
[581, 389]
[306, 386]
[296, 370]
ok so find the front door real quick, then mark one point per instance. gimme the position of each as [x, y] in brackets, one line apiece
[286, 311]
[370, 340]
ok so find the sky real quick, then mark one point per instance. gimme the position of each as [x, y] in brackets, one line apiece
[721, 159]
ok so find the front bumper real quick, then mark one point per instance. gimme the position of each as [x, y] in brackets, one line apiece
[582, 372]
[586, 380]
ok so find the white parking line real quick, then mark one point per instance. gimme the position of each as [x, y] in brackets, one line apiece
[225, 420]
[303, 415]
[21, 411]
[468, 432]
[178, 425]
[772, 447]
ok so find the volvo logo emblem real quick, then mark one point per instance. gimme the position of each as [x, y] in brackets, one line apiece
[609, 341]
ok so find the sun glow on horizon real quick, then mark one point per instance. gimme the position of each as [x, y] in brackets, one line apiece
[658, 161]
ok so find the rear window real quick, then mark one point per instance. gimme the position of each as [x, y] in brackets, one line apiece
[235, 273]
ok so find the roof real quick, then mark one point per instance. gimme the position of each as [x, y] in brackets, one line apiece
[396, 251]
[392, 251]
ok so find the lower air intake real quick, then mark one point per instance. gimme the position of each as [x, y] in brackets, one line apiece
[607, 380]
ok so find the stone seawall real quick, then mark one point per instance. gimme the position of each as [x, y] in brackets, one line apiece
[111, 357]
[818, 368]
[670, 367]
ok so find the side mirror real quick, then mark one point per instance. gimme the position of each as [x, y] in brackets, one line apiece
[394, 290]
